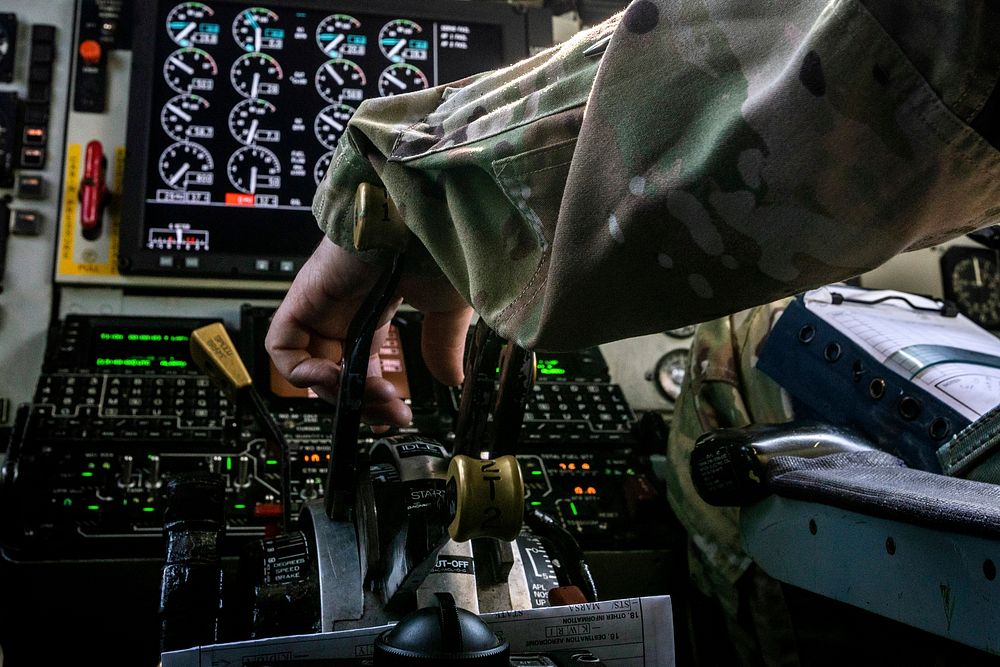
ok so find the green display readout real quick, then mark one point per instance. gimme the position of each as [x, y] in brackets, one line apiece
[116, 348]
[550, 367]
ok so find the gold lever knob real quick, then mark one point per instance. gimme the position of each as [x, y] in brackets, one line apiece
[214, 353]
[377, 222]
[487, 498]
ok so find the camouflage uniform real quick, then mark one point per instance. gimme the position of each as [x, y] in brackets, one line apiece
[723, 389]
[720, 154]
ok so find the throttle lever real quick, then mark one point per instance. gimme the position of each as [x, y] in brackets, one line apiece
[377, 225]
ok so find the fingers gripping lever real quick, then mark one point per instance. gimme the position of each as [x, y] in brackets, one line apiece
[377, 225]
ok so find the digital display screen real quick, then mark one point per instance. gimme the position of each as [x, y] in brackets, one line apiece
[246, 107]
[117, 348]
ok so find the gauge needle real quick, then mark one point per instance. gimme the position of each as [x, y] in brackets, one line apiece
[253, 180]
[336, 77]
[328, 119]
[179, 236]
[188, 29]
[398, 82]
[180, 172]
[334, 44]
[256, 38]
[397, 48]
[252, 132]
[180, 64]
[979, 274]
[254, 85]
[179, 112]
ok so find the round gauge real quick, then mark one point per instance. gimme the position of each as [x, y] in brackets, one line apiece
[185, 117]
[401, 78]
[971, 278]
[4, 42]
[668, 374]
[336, 36]
[681, 332]
[254, 168]
[254, 30]
[322, 166]
[185, 163]
[249, 119]
[256, 74]
[330, 124]
[401, 40]
[189, 23]
[190, 70]
[338, 79]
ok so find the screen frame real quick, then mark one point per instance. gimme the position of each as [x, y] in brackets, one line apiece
[134, 257]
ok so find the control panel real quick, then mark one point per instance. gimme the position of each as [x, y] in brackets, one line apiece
[35, 56]
[121, 408]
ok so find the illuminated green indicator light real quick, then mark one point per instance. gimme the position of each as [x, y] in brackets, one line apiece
[240, 506]
[106, 465]
[229, 463]
[87, 474]
[104, 361]
[536, 503]
[173, 363]
[91, 465]
[536, 472]
[148, 509]
[271, 462]
[67, 502]
[572, 508]
[93, 508]
[550, 367]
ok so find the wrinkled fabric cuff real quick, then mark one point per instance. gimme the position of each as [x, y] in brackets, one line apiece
[333, 208]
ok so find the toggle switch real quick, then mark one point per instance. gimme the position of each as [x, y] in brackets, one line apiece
[93, 191]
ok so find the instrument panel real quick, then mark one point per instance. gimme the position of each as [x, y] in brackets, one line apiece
[236, 113]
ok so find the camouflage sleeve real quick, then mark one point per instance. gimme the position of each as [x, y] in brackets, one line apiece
[720, 154]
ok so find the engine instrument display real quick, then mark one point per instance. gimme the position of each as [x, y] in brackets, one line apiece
[242, 109]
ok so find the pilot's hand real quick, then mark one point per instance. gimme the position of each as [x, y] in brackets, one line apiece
[307, 332]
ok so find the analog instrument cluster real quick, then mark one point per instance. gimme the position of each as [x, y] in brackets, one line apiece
[247, 104]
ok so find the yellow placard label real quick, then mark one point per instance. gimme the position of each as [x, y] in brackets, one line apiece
[74, 251]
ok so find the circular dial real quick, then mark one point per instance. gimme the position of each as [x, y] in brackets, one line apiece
[254, 168]
[256, 74]
[681, 332]
[668, 375]
[337, 36]
[401, 78]
[185, 117]
[330, 124]
[186, 164]
[340, 79]
[4, 42]
[322, 166]
[190, 70]
[254, 29]
[975, 287]
[248, 122]
[402, 40]
[187, 23]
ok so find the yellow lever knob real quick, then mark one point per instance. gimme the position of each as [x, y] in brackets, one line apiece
[487, 498]
[377, 222]
[214, 353]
